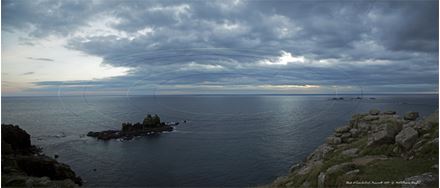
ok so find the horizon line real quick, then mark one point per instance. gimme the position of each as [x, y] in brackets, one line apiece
[224, 94]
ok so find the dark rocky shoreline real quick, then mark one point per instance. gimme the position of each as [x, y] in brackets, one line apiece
[150, 125]
[23, 164]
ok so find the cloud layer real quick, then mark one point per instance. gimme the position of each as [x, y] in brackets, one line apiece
[242, 46]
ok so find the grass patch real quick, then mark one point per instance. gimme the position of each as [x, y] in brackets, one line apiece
[428, 150]
[395, 169]
[386, 149]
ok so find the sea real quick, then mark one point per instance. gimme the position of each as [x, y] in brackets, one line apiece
[227, 140]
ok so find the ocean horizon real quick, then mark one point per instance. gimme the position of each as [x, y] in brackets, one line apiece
[227, 140]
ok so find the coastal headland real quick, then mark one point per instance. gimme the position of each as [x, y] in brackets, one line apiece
[373, 149]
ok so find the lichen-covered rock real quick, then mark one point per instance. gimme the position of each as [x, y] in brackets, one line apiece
[411, 116]
[374, 112]
[333, 140]
[407, 137]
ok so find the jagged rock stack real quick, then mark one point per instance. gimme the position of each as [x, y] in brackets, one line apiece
[371, 148]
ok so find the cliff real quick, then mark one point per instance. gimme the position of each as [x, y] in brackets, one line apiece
[23, 165]
[373, 149]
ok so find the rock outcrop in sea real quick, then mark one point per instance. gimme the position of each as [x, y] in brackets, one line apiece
[23, 164]
[374, 149]
[150, 125]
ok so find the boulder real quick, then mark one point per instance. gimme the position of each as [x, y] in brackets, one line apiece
[343, 167]
[342, 129]
[333, 140]
[384, 134]
[354, 132]
[345, 136]
[364, 126]
[350, 152]
[422, 127]
[374, 112]
[320, 152]
[411, 116]
[407, 137]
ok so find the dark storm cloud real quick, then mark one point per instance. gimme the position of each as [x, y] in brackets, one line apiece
[370, 43]
[43, 18]
[413, 27]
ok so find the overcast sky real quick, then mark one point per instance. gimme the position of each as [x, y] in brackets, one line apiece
[215, 47]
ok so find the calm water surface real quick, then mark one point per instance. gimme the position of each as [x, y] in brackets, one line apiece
[237, 140]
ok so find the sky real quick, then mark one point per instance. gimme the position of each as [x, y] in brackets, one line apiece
[107, 47]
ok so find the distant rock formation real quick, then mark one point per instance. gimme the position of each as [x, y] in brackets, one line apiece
[150, 125]
[373, 149]
[23, 165]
